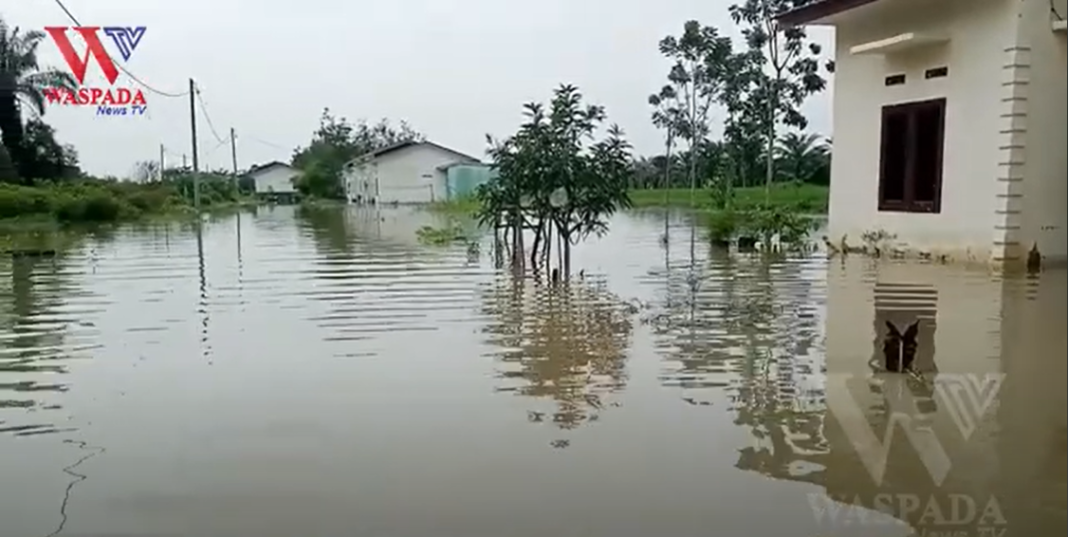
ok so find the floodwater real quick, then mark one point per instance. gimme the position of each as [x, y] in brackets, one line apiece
[322, 374]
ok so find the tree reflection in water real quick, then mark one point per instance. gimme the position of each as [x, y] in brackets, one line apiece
[752, 328]
[567, 344]
[34, 332]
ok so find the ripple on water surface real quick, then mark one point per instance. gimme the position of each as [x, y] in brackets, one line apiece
[303, 371]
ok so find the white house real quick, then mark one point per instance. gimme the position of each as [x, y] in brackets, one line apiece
[408, 172]
[274, 180]
[950, 124]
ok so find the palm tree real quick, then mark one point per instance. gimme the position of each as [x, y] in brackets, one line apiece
[23, 81]
[803, 157]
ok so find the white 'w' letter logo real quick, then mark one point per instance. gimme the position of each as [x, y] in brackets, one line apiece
[967, 398]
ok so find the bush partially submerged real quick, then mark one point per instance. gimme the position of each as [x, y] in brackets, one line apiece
[776, 226]
[86, 201]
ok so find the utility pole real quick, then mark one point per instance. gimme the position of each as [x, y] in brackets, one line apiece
[233, 154]
[161, 162]
[193, 130]
[185, 159]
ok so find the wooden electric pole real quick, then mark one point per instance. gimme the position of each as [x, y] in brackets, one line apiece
[233, 154]
[193, 129]
[161, 162]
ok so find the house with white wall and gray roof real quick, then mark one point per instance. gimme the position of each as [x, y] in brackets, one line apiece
[404, 173]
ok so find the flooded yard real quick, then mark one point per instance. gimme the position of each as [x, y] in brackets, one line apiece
[323, 374]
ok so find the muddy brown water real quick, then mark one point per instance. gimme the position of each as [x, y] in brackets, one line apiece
[323, 374]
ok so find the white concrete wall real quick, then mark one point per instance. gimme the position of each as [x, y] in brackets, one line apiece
[1038, 171]
[276, 179]
[408, 175]
[360, 182]
[402, 175]
[980, 31]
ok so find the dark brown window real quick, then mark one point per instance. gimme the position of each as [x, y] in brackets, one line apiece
[937, 72]
[895, 80]
[910, 175]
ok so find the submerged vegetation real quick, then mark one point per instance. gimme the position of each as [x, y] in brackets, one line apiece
[557, 185]
[98, 200]
[554, 183]
[443, 235]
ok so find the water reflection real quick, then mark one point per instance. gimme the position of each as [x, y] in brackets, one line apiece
[38, 334]
[567, 344]
[347, 390]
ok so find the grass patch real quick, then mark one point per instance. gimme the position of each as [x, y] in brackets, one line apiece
[464, 206]
[440, 236]
[810, 199]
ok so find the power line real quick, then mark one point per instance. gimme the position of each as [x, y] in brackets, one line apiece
[119, 65]
[266, 143]
[207, 117]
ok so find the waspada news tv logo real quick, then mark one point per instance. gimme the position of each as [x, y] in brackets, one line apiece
[110, 100]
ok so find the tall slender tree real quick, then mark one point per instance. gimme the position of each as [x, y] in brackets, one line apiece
[700, 67]
[791, 69]
[667, 115]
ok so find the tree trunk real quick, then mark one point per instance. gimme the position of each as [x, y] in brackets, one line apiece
[667, 180]
[11, 129]
[8, 174]
[769, 148]
[537, 243]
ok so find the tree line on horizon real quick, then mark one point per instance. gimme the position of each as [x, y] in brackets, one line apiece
[758, 85]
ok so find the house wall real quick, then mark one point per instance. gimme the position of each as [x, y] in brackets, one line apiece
[360, 185]
[275, 179]
[1035, 170]
[409, 175]
[980, 31]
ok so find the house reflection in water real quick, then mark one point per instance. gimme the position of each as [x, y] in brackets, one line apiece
[973, 446]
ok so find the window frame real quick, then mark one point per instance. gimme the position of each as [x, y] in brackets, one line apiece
[909, 204]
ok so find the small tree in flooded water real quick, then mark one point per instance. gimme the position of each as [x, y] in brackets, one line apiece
[555, 181]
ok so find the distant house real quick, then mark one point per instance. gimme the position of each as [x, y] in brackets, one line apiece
[950, 124]
[409, 172]
[274, 181]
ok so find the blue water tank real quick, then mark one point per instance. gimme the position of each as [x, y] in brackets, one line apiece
[462, 180]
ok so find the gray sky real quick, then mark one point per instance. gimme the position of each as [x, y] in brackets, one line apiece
[455, 69]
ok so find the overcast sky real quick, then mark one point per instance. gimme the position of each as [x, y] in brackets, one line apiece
[454, 69]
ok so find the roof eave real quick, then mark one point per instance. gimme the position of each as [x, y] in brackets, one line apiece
[818, 12]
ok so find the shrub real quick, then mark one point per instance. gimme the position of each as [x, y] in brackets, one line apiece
[85, 200]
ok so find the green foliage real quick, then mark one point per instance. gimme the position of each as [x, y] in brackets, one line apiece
[463, 206]
[804, 158]
[86, 200]
[8, 174]
[783, 225]
[336, 142]
[722, 225]
[22, 81]
[441, 236]
[552, 179]
[760, 86]
[781, 71]
[695, 81]
[805, 198]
